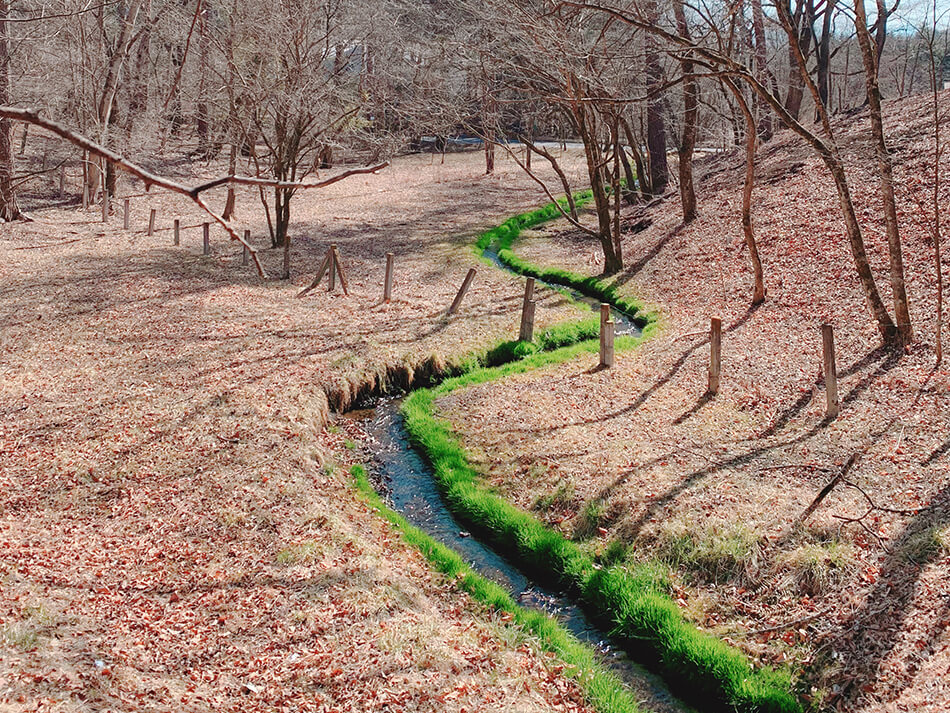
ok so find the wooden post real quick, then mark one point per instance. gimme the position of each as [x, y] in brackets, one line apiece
[206, 236]
[339, 269]
[526, 333]
[466, 283]
[247, 239]
[177, 231]
[62, 181]
[125, 214]
[105, 204]
[151, 222]
[606, 337]
[316, 281]
[715, 353]
[330, 256]
[831, 370]
[388, 281]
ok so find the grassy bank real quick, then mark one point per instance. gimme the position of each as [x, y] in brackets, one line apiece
[603, 689]
[634, 603]
[501, 239]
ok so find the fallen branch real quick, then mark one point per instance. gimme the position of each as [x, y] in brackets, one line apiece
[30, 116]
[787, 624]
[824, 492]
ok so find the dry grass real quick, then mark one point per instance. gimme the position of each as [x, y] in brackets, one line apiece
[169, 499]
[643, 442]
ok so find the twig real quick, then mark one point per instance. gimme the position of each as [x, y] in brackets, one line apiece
[824, 492]
[788, 624]
[48, 245]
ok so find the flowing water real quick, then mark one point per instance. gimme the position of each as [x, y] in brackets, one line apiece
[406, 481]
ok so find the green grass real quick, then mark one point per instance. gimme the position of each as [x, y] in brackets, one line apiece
[602, 688]
[502, 238]
[639, 612]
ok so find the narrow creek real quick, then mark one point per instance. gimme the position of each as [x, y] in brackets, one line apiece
[405, 480]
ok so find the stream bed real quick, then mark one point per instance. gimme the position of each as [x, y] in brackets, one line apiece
[405, 480]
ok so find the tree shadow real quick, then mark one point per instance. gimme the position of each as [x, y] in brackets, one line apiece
[869, 636]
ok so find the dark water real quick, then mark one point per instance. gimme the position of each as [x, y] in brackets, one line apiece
[406, 481]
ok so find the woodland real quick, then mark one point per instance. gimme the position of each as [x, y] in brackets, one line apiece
[429, 355]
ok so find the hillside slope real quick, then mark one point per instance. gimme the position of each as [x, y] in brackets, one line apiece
[858, 602]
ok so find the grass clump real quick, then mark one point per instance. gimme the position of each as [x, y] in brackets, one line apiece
[602, 688]
[815, 567]
[559, 498]
[638, 608]
[716, 554]
[923, 546]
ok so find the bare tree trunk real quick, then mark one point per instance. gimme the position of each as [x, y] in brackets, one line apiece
[643, 178]
[9, 209]
[690, 113]
[202, 120]
[232, 167]
[761, 66]
[898, 287]
[656, 128]
[758, 292]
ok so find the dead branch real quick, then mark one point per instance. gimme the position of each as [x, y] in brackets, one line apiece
[824, 492]
[787, 624]
[31, 116]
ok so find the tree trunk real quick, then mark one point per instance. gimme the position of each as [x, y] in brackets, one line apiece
[232, 167]
[898, 287]
[690, 112]
[9, 209]
[758, 291]
[202, 120]
[656, 127]
[761, 66]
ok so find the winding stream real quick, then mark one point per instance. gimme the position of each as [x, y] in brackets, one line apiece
[405, 479]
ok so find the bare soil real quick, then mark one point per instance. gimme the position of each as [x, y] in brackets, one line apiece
[177, 529]
[858, 601]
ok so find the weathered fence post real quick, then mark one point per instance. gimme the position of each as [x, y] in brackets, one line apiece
[105, 204]
[606, 337]
[831, 370]
[466, 283]
[339, 268]
[206, 236]
[526, 333]
[177, 231]
[125, 214]
[388, 280]
[332, 255]
[151, 222]
[247, 239]
[715, 353]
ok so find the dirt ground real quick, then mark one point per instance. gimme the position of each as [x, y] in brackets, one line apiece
[175, 529]
[859, 599]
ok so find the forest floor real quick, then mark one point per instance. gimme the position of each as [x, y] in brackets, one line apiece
[859, 599]
[176, 531]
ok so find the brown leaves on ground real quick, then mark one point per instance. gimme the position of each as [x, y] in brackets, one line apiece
[714, 485]
[174, 533]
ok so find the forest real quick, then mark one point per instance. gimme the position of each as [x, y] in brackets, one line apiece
[429, 355]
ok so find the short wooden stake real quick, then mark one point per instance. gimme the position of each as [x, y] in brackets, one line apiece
[125, 214]
[330, 256]
[339, 269]
[206, 236]
[323, 268]
[177, 231]
[388, 281]
[715, 353]
[247, 239]
[151, 222]
[85, 194]
[606, 337]
[466, 283]
[62, 181]
[831, 370]
[526, 333]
